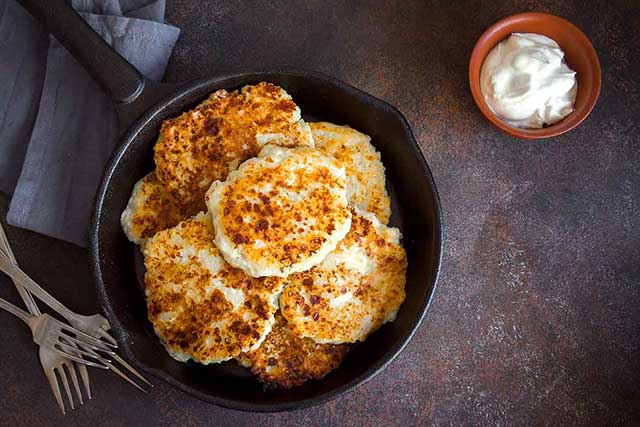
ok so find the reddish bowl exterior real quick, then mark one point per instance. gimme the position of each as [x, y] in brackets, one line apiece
[579, 54]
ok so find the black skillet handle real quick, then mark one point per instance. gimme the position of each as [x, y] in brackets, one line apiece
[130, 91]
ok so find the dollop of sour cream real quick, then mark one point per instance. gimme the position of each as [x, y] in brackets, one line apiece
[526, 82]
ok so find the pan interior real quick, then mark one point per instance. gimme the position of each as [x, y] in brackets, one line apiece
[118, 263]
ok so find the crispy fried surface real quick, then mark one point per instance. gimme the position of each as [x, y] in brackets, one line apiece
[356, 289]
[151, 208]
[365, 172]
[201, 307]
[205, 144]
[283, 360]
[281, 212]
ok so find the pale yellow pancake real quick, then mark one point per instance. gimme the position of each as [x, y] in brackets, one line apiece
[284, 360]
[281, 212]
[201, 307]
[203, 145]
[366, 188]
[152, 208]
[356, 289]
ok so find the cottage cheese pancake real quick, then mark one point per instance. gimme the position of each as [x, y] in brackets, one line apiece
[151, 208]
[356, 289]
[285, 360]
[365, 172]
[201, 307]
[281, 212]
[206, 143]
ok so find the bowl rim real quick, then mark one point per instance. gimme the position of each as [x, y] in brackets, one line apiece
[476, 61]
[97, 262]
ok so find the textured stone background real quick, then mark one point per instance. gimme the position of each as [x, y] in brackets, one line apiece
[536, 320]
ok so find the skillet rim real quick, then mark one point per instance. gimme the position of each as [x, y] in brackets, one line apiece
[129, 137]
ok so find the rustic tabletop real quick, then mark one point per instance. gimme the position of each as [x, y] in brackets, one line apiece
[536, 319]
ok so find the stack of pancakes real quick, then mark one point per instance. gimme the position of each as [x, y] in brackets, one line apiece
[265, 237]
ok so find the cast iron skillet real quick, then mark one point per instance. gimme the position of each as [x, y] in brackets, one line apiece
[142, 105]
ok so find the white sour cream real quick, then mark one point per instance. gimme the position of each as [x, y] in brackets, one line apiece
[525, 81]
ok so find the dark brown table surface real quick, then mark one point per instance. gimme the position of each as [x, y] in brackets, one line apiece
[536, 319]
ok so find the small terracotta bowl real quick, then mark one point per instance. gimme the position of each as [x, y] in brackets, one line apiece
[579, 55]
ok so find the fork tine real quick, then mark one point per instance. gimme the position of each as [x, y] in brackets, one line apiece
[122, 375]
[65, 383]
[70, 350]
[71, 370]
[86, 338]
[77, 359]
[55, 388]
[84, 376]
[92, 343]
[104, 334]
[124, 363]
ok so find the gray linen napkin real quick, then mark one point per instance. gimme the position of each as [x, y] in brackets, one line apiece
[75, 129]
[23, 58]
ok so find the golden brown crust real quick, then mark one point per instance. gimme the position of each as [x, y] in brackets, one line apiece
[281, 211]
[365, 171]
[356, 289]
[152, 209]
[200, 306]
[285, 360]
[205, 144]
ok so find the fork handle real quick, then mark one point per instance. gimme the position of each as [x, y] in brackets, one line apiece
[24, 294]
[6, 305]
[13, 271]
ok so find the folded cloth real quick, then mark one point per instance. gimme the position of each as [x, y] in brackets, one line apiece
[23, 58]
[75, 129]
